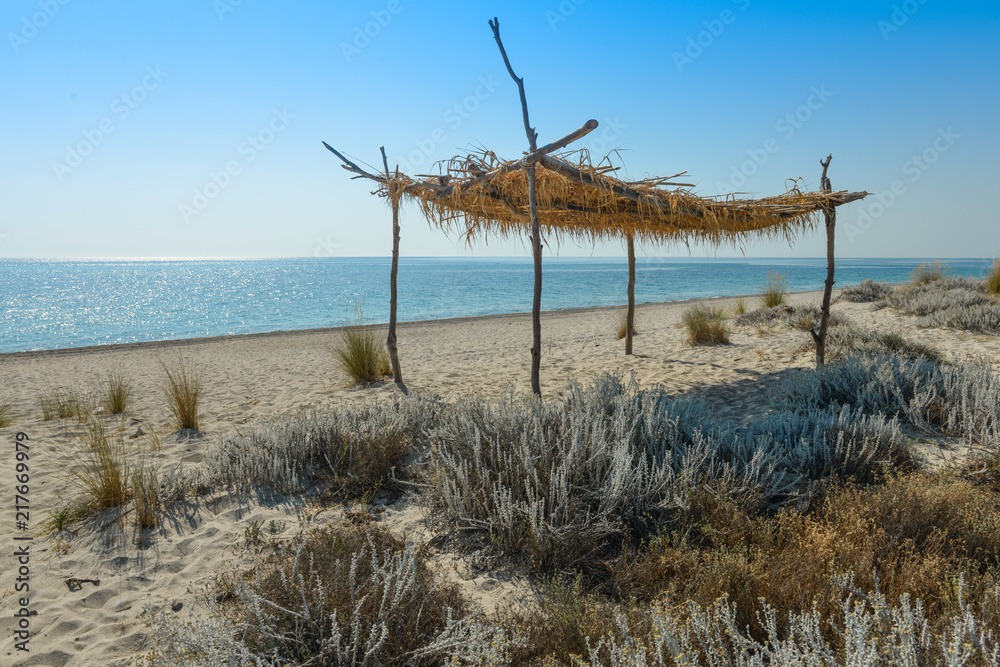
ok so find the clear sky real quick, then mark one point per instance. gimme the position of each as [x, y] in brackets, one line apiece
[193, 127]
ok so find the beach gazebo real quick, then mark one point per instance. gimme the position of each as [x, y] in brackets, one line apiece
[565, 195]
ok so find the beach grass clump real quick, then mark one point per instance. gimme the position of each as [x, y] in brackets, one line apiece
[102, 471]
[361, 353]
[350, 450]
[145, 495]
[623, 324]
[774, 292]
[7, 416]
[341, 595]
[993, 278]
[65, 403]
[183, 390]
[928, 272]
[740, 307]
[706, 325]
[867, 291]
[116, 391]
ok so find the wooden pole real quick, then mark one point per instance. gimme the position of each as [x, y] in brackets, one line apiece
[536, 237]
[830, 217]
[630, 316]
[397, 373]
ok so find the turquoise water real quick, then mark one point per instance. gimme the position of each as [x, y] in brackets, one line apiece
[49, 304]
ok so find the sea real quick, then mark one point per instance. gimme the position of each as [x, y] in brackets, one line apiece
[65, 303]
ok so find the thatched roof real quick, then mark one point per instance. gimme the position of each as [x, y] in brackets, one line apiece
[478, 194]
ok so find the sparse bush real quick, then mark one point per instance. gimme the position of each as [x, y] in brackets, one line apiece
[361, 353]
[623, 324]
[774, 292]
[7, 416]
[847, 341]
[64, 403]
[116, 392]
[955, 302]
[867, 290]
[706, 325]
[340, 596]
[928, 273]
[565, 482]
[993, 279]
[183, 391]
[351, 450]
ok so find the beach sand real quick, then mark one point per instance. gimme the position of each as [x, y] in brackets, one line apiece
[254, 377]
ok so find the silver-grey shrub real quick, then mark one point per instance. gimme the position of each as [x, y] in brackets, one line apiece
[263, 633]
[867, 290]
[562, 480]
[288, 454]
[874, 633]
[957, 303]
[960, 399]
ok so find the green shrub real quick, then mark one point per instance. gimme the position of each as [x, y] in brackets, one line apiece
[993, 279]
[361, 352]
[928, 272]
[7, 416]
[623, 324]
[774, 292]
[706, 326]
[116, 392]
[183, 391]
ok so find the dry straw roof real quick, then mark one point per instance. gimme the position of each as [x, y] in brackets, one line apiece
[479, 194]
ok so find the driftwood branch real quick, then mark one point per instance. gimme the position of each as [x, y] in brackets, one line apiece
[536, 237]
[390, 342]
[830, 218]
[530, 131]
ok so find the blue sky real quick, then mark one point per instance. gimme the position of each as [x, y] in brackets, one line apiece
[193, 128]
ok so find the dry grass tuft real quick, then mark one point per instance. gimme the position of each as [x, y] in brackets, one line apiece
[116, 392]
[706, 325]
[361, 353]
[993, 279]
[183, 391]
[623, 324]
[928, 272]
[145, 495]
[740, 307]
[7, 416]
[774, 293]
[64, 403]
[102, 473]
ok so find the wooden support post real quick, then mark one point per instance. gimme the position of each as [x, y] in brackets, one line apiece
[830, 217]
[630, 315]
[536, 237]
[397, 373]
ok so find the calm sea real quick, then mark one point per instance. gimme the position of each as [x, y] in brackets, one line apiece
[48, 304]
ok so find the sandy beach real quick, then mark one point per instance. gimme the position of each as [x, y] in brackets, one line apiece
[256, 377]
